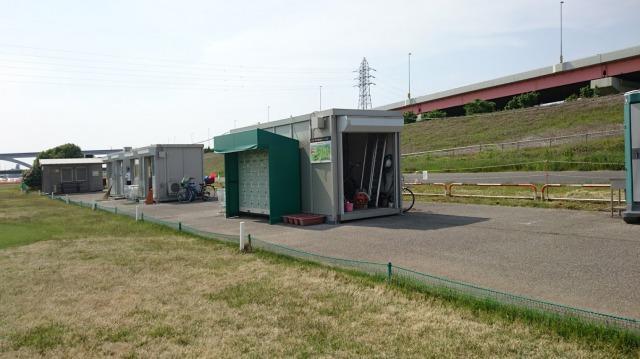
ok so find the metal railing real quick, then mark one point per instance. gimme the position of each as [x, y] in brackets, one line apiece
[390, 271]
[538, 142]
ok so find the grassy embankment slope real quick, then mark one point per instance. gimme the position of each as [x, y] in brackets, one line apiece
[582, 116]
[80, 283]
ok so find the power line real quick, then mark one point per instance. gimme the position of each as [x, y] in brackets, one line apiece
[159, 62]
[364, 84]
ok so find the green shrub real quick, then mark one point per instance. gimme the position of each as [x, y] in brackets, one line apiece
[425, 116]
[587, 92]
[571, 97]
[479, 106]
[409, 117]
[523, 100]
[33, 177]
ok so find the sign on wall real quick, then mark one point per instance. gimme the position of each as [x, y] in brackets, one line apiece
[320, 152]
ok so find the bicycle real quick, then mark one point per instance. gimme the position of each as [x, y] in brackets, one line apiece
[406, 192]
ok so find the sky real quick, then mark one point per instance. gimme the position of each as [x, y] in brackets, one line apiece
[108, 74]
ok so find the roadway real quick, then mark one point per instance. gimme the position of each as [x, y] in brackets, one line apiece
[563, 177]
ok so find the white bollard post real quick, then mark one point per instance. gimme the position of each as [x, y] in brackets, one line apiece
[241, 235]
[425, 175]
[51, 194]
[66, 198]
[137, 213]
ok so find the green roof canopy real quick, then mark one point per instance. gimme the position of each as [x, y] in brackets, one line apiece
[283, 167]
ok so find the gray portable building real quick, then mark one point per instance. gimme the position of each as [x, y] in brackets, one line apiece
[133, 171]
[343, 153]
[71, 175]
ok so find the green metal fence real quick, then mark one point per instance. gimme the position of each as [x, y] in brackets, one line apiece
[388, 270]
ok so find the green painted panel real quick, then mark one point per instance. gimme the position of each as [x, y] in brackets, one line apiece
[283, 170]
[232, 200]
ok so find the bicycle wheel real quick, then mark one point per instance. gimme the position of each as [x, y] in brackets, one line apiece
[407, 205]
[183, 196]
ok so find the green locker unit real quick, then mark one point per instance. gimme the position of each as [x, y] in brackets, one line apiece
[262, 173]
[632, 155]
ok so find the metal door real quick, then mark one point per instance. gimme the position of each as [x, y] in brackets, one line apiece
[253, 181]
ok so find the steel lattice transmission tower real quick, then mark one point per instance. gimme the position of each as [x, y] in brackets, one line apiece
[364, 84]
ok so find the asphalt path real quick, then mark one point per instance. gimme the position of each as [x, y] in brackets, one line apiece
[562, 177]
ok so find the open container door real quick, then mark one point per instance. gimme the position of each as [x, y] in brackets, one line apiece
[369, 160]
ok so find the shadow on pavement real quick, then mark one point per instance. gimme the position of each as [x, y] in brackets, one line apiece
[421, 221]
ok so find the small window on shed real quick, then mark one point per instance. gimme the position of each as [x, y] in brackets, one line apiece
[81, 173]
[66, 174]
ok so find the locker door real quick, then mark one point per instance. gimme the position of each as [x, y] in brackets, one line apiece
[253, 181]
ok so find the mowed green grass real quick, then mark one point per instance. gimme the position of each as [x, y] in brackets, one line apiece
[585, 115]
[428, 192]
[597, 154]
[95, 284]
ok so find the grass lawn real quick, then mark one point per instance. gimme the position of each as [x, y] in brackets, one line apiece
[555, 192]
[608, 150]
[78, 283]
[585, 115]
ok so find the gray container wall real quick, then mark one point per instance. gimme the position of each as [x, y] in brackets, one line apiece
[316, 179]
[320, 185]
[178, 162]
[170, 164]
[52, 178]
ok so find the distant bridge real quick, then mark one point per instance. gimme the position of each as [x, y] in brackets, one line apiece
[14, 157]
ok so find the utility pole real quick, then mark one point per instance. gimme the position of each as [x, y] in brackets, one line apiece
[561, 59]
[409, 93]
[364, 84]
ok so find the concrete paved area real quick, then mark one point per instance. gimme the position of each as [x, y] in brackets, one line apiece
[578, 258]
[564, 177]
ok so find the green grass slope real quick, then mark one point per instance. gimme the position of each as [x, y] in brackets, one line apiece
[585, 115]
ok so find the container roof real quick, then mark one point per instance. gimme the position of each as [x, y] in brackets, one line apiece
[70, 161]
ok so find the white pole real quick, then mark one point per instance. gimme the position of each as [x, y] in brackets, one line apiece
[241, 235]
[561, 59]
[137, 212]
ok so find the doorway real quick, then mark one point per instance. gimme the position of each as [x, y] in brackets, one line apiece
[369, 171]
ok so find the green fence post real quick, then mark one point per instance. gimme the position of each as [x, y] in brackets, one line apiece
[180, 226]
[389, 266]
[115, 210]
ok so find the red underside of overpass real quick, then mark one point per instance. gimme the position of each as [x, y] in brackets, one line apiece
[562, 78]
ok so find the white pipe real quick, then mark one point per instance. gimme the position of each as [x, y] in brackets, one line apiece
[364, 161]
[372, 172]
[241, 235]
[384, 149]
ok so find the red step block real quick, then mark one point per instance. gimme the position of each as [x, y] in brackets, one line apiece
[303, 219]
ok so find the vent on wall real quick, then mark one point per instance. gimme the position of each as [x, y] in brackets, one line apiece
[174, 188]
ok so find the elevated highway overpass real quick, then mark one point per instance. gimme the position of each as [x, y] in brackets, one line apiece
[17, 156]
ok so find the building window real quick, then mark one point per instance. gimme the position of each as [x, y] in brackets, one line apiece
[81, 174]
[66, 175]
